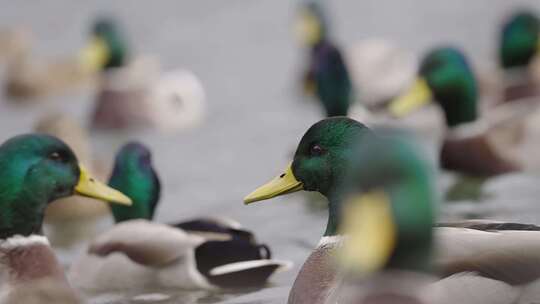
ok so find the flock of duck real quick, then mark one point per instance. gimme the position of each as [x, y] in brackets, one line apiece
[382, 243]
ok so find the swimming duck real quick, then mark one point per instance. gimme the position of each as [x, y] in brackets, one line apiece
[376, 67]
[73, 219]
[202, 253]
[324, 161]
[36, 170]
[496, 143]
[135, 93]
[518, 50]
[389, 253]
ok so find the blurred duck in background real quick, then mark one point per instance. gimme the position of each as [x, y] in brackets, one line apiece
[483, 146]
[13, 42]
[327, 161]
[518, 55]
[71, 220]
[36, 170]
[203, 253]
[135, 93]
[390, 253]
[327, 76]
[29, 79]
[376, 67]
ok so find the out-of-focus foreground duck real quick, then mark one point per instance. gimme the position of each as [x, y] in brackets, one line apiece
[388, 257]
[326, 161]
[35, 170]
[135, 93]
[204, 253]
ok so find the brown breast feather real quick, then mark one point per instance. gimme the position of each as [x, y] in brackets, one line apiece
[474, 156]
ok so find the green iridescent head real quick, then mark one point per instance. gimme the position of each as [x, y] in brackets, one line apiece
[322, 161]
[107, 47]
[35, 170]
[134, 176]
[519, 40]
[391, 209]
[446, 77]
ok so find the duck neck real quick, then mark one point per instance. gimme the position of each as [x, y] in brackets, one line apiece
[143, 192]
[22, 216]
[334, 215]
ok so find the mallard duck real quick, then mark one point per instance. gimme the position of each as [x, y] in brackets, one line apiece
[388, 255]
[518, 49]
[71, 220]
[377, 68]
[35, 170]
[29, 79]
[135, 93]
[13, 42]
[324, 161]
[491, 144]
[201, 253]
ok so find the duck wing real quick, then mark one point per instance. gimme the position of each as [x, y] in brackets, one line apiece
[146, 243]
[511, 256]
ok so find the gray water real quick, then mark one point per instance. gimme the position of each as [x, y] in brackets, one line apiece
[247, 58]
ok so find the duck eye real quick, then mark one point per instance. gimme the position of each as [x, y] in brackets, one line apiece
[56, 156]
[316, 150]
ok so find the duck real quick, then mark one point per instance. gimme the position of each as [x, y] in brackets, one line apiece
[135, 93]
[37, 169]
[518, 48]
[390, 252]
[71, 220]
[377, 68]
[496, 143]
[201, 253]
[326, 161]
[30, 80]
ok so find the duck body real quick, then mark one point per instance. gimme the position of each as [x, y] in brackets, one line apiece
[140, 96]
[339, 158]
[134, 92]
[204, 253]
[36, 169]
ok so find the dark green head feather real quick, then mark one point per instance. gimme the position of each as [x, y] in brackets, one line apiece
[107, 29]
[35, 170]
[323, 158]
[453, 84]
[393, 164]
[519, 40]
[134, 176]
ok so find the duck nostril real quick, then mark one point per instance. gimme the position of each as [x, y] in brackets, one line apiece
[92, 180]
[282, 175]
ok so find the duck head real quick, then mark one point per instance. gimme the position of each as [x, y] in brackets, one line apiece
[134, 176]
[321, 163]
[519, 42]
[36, 170]
[106, 48]
[446, 77]
[311, 25]
[389, 210]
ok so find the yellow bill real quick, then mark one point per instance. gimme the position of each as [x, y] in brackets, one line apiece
[417, 96]
[307, 28]
[90, 187]
[282, 184]
[94, 56]
[369, 223]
